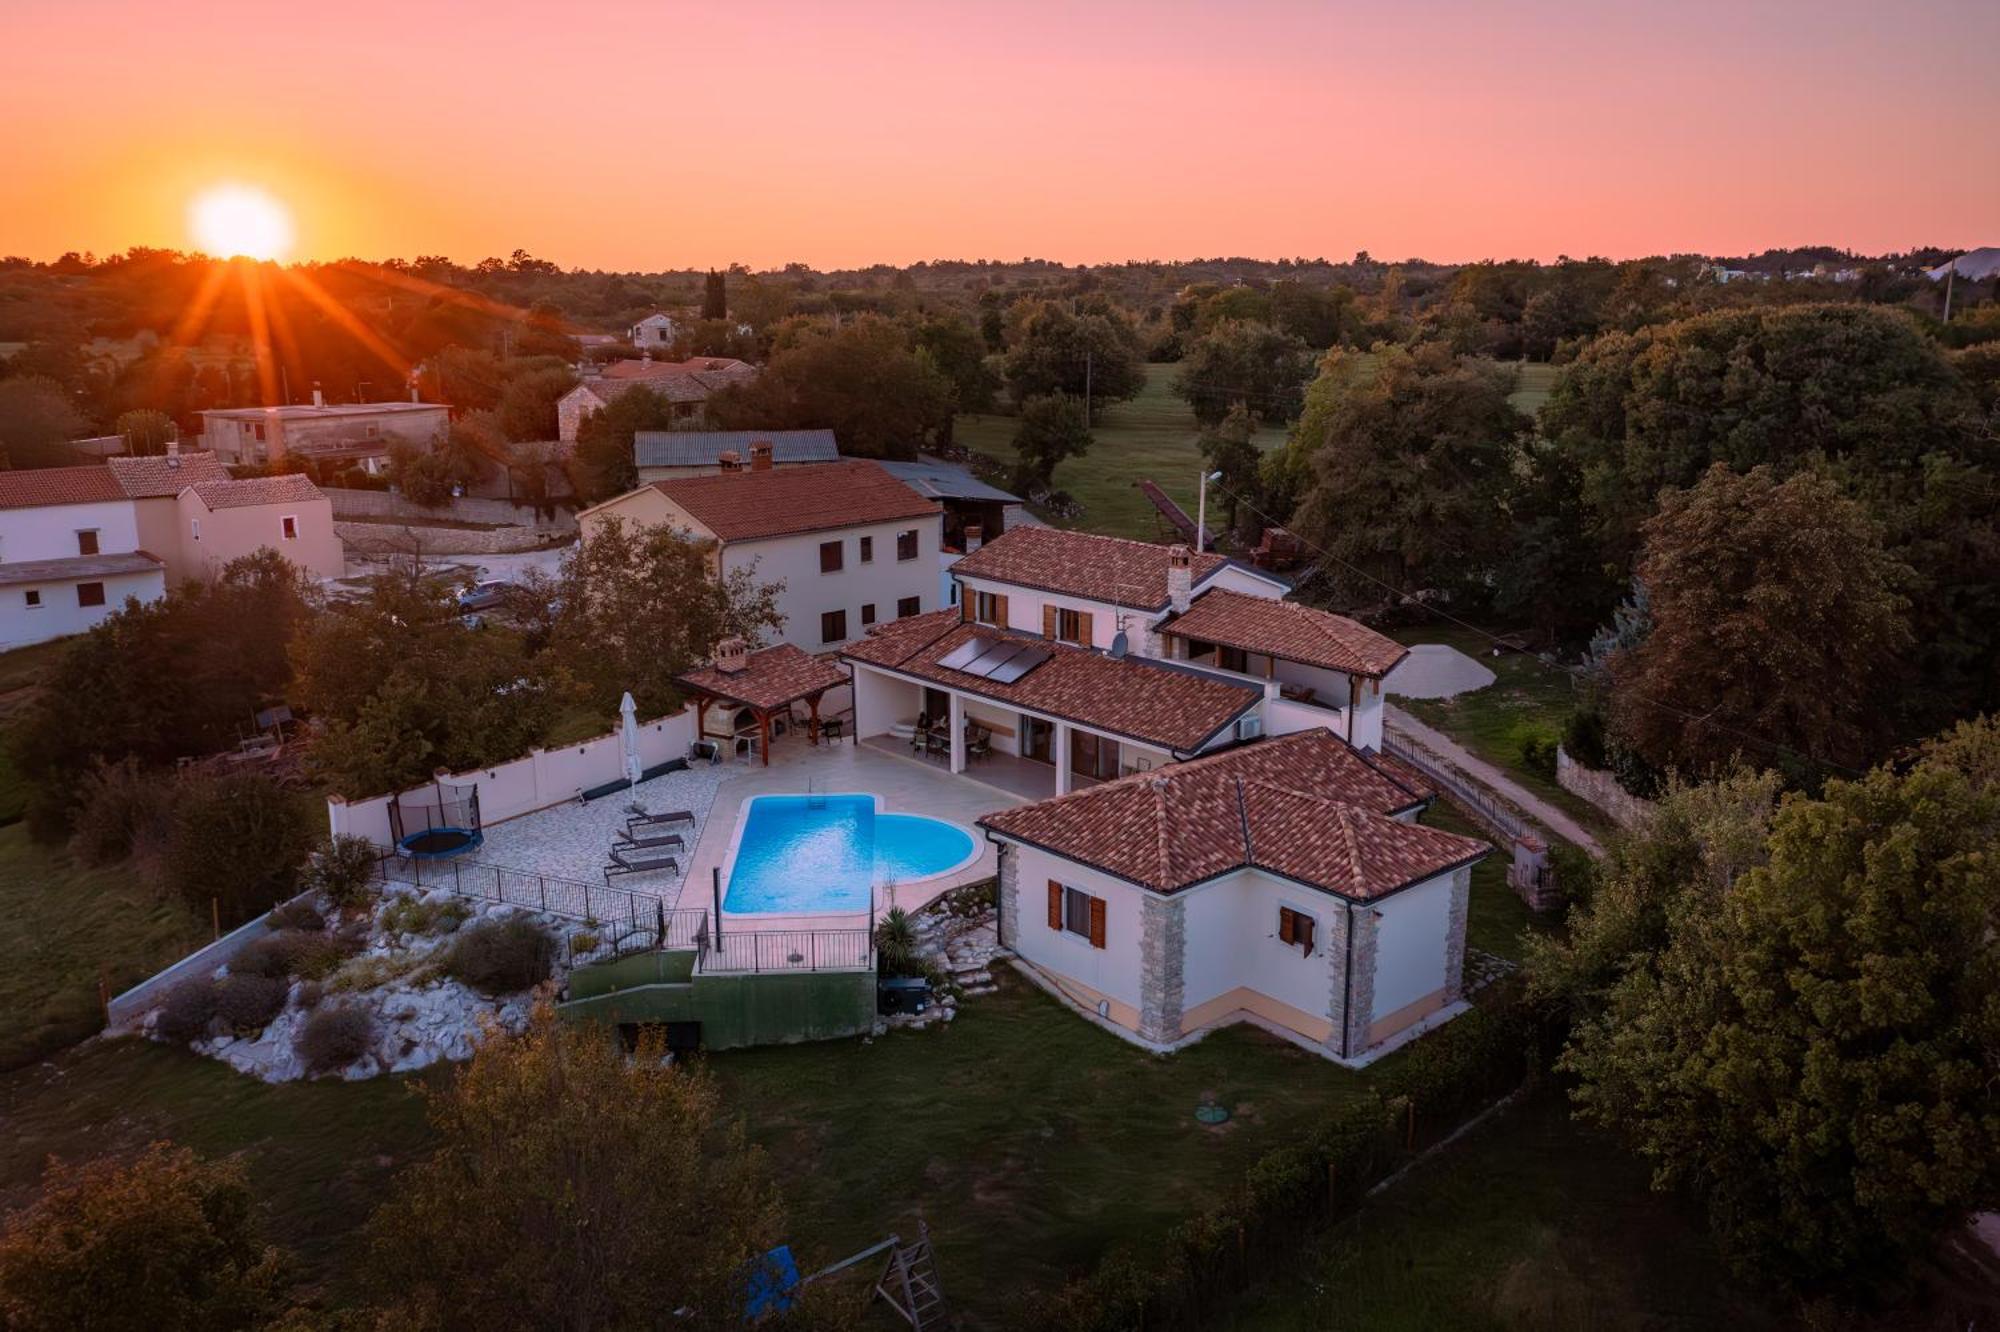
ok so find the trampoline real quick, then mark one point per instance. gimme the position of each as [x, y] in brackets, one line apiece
[440, 820]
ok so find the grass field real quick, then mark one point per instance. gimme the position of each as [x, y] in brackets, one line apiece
[21, 674]
[1527, 694]
[1027, 1138]
[1532, 387]
[1533, 1221]
[1152, 438]
[1495, 918]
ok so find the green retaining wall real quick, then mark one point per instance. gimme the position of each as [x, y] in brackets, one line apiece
[661, 968]
[769, 1008]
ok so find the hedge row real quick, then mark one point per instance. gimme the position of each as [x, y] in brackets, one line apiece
[1292, 1191]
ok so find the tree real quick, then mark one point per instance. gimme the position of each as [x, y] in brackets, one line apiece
[714, 296]
[37, 422]
[145, 431]
[603, 464]
[1814, 1050]
[399, 686]
[959, 354]
[240, 840]
[1051, 350]
[166, 1242]
[638, 606]
[1316, 316]
[1052, 428]
[575, 1187]
[1776, 615]
[527, 407]
[862, 380]
[1231, 449]
[422, 475]
[1401, 462]
[1247, 363]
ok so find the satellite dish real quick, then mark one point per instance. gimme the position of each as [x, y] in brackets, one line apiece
[1119, 646]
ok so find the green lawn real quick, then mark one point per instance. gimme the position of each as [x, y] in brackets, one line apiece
[1152, 437]
[67, 928]
[1496, 917]
[1527, 693]
[1531, 388]
[1531, 1222]
[21, 674]
[1027, 1138]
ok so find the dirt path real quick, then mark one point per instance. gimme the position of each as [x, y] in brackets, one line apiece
[1494, 778]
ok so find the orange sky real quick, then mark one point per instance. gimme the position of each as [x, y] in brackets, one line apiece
[607, 134]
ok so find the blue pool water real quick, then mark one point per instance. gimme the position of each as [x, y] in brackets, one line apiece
[825, 853]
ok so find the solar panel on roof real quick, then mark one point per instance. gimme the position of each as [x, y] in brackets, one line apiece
[958, 658]
[994, 656]
[1019, 665]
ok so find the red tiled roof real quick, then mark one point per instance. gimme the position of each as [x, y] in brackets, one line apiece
[286, 488]
[32, 488]
[699, 365]
[771, 677]
[1289, 630]
[1147, 701]
[747, 505]
[1305, 806]
[1081, 564]
[155, 476]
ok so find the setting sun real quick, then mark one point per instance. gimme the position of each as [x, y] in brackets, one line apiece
[231, 220]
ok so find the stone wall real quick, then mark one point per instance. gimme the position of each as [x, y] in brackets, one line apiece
[1010, 896]
[464, 509]
[1454, 939]
[1601, 789]
[400, 538]
[1162, 967]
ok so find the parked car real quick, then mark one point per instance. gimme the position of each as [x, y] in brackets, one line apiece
[485, 595]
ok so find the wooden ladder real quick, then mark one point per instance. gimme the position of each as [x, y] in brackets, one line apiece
[910, 1284]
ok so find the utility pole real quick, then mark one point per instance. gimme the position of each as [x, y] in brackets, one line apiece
[1201, 512]
[1949, 274]
[1087, 369]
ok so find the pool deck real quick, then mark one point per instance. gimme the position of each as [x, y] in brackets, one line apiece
[571, 840]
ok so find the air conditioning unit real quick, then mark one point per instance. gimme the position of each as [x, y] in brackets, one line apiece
[1249, 728]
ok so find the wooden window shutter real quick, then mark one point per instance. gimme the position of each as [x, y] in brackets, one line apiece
[1083, 629]
[1055, 905]
[1048, 621]
[1287, 926]
[1000, 612]
[1302, 931]
[965, 599]
[1097, 922]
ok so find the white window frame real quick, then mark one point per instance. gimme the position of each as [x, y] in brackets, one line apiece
[33, 596]
[986, 609]
[288, 526]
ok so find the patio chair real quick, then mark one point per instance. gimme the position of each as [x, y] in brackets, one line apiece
[642, 838]
[621, 863]
[981, 743]
[641, 819]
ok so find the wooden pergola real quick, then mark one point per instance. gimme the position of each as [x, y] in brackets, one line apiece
[767, 682]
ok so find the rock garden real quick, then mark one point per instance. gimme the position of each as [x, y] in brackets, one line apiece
[953, 942]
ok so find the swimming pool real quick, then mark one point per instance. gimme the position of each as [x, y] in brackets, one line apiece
[797, 854]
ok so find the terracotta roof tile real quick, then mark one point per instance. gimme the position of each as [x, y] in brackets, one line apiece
[1081, 564]
[287, 488]
[158, 475]
[747, 506]
[32, 488]
[771, 677]
[1152, 702]
[1305, 806]
[1289, 630]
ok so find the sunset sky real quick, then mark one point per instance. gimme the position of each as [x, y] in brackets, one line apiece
[656, 135]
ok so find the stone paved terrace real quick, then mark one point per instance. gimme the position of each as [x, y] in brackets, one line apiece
[571, 840]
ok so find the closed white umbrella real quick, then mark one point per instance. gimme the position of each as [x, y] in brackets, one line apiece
[629, 732]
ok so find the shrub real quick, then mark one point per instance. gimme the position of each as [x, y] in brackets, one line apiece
[411, 915]
[298, 914]
[343, 870]
[377, 969]
[310, 993]
[248, 1003]
[502, 956]
[1583, 737]
[302, 953]
[187, 1010]
[239, 839]
[121, 810]
[335, 1037]
[1536, 746]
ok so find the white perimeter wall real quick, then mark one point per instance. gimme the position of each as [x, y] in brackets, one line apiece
[1409, 944]
[538, 779]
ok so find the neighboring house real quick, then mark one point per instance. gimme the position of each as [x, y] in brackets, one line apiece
[654, 332]
[359, 432]
[852, 546]
[76, 542]
[974, 512]
[69, 553]
[685, 384]
[664, 455]
[1282, 882]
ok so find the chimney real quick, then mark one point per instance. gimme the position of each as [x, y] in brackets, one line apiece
[318, 399]
[760, 456]
[732, 654]
[1180, 578]
[173, 453]
[975, 537]
[731, 460]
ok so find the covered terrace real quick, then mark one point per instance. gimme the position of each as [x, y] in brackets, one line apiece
[756, 693]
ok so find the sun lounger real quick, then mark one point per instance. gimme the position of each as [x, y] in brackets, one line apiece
[648, 840]
[638, 863]
[654, 820]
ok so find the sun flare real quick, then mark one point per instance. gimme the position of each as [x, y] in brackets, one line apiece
[232, 220]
